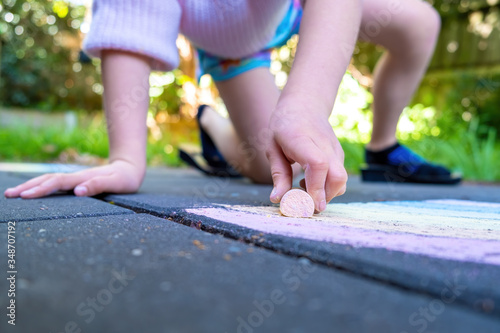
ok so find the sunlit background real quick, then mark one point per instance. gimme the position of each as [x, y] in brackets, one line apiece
[50, 92]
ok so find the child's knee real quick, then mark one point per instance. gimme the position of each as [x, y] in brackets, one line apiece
[415, 31]
[431, 20]
[409, 29]
[259, 171]
[426, 25]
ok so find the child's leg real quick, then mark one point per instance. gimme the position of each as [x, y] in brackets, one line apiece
[250, 99]
[408, 30]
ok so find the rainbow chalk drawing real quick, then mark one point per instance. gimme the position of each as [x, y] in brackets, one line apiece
[448, 229]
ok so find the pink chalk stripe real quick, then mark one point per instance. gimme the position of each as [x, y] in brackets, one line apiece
[355, 233]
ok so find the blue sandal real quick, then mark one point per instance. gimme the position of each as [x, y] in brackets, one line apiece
[399, 164]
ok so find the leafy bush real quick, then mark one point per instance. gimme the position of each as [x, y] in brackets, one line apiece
[467, 153]
[40, 61]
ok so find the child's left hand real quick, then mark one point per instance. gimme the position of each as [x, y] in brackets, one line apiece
[119, 176]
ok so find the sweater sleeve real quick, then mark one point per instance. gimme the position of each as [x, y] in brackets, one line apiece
[147, 27]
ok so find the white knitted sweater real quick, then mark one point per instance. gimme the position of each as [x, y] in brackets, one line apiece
[228, 28]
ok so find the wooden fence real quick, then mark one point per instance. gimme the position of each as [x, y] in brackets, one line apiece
[470, 36]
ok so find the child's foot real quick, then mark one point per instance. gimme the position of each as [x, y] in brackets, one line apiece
[210, 152]
[209, 161]
[399, 164]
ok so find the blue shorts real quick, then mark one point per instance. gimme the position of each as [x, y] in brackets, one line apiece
[223, 69]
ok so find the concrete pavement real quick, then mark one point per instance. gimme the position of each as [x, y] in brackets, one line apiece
[195, 254]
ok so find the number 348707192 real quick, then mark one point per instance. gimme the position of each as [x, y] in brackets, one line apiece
[11, 247]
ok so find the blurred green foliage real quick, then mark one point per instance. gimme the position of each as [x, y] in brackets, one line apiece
[42, 66]
[462, 97]
[452, 120]
[463, 80]
[458, 96]
[23, 143]
[40, 63]
[83, 145]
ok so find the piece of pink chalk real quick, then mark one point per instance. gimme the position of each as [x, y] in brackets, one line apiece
[297, 203]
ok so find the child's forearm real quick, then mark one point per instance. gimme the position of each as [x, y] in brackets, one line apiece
[126, 99]
[328, 34]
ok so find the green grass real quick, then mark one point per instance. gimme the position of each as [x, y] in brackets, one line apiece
[25, 144]
[46, 144]
[477, 159]
[354, 155]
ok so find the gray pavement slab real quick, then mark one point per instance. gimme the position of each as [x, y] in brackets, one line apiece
[53, 207]
[139, 273]
[181, 194]
[409, 270]
[477, 283]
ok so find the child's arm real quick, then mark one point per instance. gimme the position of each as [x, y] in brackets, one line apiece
[299, 123]
[126, 99]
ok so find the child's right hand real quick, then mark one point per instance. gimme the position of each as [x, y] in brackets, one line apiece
[309, 141]
[300, 129]
[120, 176]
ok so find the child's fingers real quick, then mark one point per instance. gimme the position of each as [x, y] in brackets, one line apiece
[342, 191]
[316, 172]
[316, 166]
[329, 192]
[50, 184]
[113, 182]
[97, 185]
[16, 191]
[335, 182]
[37, 192]
[281, 172]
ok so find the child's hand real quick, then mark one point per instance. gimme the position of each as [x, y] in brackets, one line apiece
[118, 177]
[311, 142]
[300, 129]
